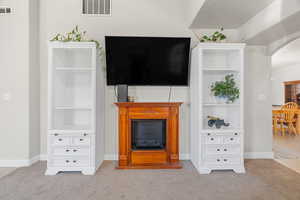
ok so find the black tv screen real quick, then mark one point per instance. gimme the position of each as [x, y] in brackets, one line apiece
[147, 61]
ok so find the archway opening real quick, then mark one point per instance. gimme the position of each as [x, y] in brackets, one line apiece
[285, 83]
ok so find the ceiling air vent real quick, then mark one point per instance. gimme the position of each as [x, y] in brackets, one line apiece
[5, 10]
[96, 7]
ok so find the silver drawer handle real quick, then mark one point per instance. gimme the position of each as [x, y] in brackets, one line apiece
[85, 134]
[55, 134]
[225, 149]
[60, 139]
[236, 134]
[211, 139]
[74, 161]
[74, 150]
[218, 160]
[218, 149]
[208, 134]
[231, 139]
[225, 160]
[67, 161]
[67, 150]
[81, 140]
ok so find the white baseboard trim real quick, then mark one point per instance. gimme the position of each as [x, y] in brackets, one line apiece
[259, 155]
[43, 157]
[110, 157]
[184, 156]
[19, 163]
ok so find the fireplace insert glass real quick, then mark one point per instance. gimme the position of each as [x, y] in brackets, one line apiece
[148, 134]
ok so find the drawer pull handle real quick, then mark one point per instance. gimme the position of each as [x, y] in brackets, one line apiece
[74, 150]
[55, 134]
[231, 139]
[85, 134]
[218, 149]
[80, 140]
[218, 160]
[236, 134]
[225, 149]
[74, 161]
[67, 150]
[211, 139]
[60, 139]
[208, 134]
[67, 161]
[225, 160]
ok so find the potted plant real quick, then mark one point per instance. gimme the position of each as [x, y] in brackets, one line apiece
[226, 90]
[217, 36]
[75, 36]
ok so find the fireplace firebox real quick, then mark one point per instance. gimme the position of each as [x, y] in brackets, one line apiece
[148, 134]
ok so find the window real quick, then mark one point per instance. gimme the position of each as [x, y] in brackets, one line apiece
[96, 7]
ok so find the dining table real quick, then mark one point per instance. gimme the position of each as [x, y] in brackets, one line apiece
[278, 111]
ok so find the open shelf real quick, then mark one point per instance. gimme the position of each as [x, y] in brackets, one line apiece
[72, 57]
[69, 119]
[229, 114]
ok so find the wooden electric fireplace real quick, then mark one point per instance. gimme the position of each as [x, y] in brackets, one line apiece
[148, 135]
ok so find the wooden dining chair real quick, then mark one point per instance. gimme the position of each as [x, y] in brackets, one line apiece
[287, 117]
[275, 119]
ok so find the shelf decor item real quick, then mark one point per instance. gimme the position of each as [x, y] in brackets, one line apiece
[217, 36]
[217, 72]
[226, 89]
[76, 36]
[217, 122]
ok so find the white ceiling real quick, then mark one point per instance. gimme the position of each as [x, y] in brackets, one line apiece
[229, 14]
[288, 55]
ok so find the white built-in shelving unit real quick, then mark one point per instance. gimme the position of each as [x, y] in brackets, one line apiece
[212, 148]
[75, 108]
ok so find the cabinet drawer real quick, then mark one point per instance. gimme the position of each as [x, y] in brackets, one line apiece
[213, 139]
[84, 140]
[222, 149]
[223, 160]
[70, 162]
[60, 140]
[70, 151]
[232, 140]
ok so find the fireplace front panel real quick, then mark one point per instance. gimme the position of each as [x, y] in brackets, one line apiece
[148, 134]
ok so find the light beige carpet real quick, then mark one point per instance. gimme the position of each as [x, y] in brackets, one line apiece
[6, 170]
[264, 180]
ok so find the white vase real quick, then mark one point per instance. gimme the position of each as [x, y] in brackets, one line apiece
[221, 100]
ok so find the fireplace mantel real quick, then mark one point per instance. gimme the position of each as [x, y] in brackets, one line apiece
[167, 158]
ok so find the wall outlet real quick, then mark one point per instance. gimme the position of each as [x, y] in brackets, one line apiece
[6, 96]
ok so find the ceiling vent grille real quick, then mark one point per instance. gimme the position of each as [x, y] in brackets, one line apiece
[96, 7]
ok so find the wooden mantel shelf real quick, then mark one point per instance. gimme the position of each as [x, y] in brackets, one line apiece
[148, 104]
[167, 158]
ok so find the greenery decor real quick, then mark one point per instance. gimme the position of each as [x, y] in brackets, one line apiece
[226, 89]
[215, 37]
[75, 36]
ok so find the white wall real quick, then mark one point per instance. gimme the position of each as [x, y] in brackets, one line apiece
[34, 79]
[279, 76]
[137, 17]
[258, 118]
[19, 70]
[16, 59]
[154, 18]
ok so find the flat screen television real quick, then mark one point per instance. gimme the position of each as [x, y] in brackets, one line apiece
[157, 61]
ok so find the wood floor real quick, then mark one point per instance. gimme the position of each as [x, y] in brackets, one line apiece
[287, 151]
